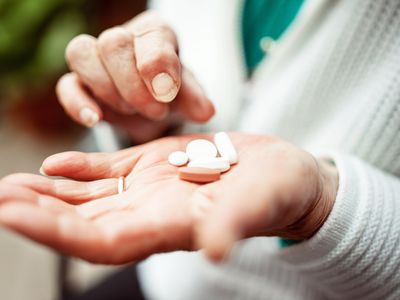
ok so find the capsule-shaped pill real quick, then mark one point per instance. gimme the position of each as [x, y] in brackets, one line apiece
[216, 163]
[225, 147]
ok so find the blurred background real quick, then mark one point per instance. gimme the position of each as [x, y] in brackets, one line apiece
[33, 37]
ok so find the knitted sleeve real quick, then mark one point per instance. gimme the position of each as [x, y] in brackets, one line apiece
[356, 253]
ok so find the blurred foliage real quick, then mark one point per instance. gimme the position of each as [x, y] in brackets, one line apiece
[33, 36]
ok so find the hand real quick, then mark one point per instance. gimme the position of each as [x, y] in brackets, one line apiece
[276, 189]
[128, 76]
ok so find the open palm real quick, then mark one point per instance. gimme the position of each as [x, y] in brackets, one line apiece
[84, 216]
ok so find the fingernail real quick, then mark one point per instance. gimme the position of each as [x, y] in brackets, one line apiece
[89, 117]
[156, 112]
[41, 171]
[164, 87]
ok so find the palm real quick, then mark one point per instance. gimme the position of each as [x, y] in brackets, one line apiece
[154, 214]
[274, 185]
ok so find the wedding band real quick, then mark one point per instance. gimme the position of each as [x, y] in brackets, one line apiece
[121, 185]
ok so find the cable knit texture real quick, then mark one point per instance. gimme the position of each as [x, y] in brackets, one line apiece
[332, 85]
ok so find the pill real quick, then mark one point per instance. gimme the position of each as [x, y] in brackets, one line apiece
[201, 175]
[200, 148]
[178, 158]
[225, 147]
[215, 163]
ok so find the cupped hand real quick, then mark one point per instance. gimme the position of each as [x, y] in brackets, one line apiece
[275, 189]
[128, 76]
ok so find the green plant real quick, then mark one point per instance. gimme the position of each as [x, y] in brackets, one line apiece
[33, 36]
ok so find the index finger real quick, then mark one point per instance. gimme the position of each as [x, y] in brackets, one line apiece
[91, 166]
[156, 51]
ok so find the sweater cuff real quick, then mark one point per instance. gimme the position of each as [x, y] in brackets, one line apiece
[339, 222]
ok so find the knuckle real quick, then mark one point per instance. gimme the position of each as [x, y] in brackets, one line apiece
[60, 87]
[114, 39]
[79, 46]
[152, 61]
[146, 19]
[150, 14]
[63, 89]
[64, 80]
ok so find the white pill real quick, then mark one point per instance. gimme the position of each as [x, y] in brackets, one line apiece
[178, 158]
[225, 147]
[215, 163]
[200, 148]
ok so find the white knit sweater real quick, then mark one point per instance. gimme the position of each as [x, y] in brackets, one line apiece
[332, 86]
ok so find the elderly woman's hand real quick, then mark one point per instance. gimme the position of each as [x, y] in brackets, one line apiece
[276, 189]
[128, 76]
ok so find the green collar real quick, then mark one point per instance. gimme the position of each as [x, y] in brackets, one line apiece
[263, 22]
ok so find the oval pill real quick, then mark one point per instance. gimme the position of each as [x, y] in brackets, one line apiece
[225, 147]
[178, 158]
[215, 163]
[200, 148]
[200, 175]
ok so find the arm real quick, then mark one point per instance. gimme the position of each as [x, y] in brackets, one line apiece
[355, 254]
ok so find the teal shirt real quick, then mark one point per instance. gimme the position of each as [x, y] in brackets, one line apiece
[261, 19]
[265, 19]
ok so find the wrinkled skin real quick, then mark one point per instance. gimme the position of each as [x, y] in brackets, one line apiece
[112, 78]
[275, 189]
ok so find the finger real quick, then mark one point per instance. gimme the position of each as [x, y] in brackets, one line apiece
[137, 235]
[116, 49]
[66, 233]
[156, 56]
[83, 59]
[73, 192]
[91, 166]
[12, 193]
[233, 215]
[117, 238]
[9, 192]
[77, 103]
[191, 102]
[49, 221]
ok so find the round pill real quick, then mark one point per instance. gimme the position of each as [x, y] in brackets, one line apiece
[200, 175]
[216, 163]
[225, 147]
[200, 148]
[178, 158]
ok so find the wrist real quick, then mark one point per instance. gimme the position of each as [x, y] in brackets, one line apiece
[313, 219]
[329, 183]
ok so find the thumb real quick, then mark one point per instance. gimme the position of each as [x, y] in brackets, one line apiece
[238, 211]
